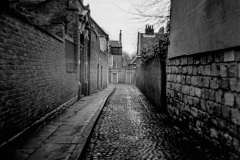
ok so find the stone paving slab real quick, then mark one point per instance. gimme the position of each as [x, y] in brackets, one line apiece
[63, 137]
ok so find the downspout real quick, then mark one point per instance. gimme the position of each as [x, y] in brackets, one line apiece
[89, 53]
[78, 57]
[88, 58]
[107, 61]
[138, 45]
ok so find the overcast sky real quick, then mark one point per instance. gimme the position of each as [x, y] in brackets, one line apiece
[112, 16]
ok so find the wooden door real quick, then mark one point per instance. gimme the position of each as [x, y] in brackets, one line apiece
[114, 78]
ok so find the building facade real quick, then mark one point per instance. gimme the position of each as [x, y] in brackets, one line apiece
[45, 59]
[117, 73]
[120, 70]
[98, 58]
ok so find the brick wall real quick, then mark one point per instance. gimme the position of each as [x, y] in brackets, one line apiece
[145, 42]
[33, 75]
[140, 78]
[149, 79]
[203, 92]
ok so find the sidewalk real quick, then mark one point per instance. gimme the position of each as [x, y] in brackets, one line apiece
[63, 137]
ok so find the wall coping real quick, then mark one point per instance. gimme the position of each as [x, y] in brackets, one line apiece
[205, 52]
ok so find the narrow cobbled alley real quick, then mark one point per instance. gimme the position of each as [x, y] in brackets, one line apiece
[130, 128]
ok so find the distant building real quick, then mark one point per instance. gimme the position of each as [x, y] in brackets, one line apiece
[147, 39]
[119, 66]
[150, 62]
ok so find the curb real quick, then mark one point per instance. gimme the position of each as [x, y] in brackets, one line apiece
[78, 152]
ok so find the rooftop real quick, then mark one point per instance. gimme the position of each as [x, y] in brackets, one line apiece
[115, 44]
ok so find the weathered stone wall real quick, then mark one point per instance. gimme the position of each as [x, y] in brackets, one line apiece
[203, 93]
[33, 75]
[150, 81]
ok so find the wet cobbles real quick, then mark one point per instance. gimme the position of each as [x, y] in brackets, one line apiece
[130, 128]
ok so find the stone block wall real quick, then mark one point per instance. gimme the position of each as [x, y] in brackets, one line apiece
[33, 75]
[150, 81]
[203, 93]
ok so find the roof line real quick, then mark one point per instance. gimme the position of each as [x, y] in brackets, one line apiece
[98, 26]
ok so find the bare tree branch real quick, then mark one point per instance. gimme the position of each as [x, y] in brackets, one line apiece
[154, 12]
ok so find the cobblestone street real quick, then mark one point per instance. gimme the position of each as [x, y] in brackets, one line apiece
[130, 128]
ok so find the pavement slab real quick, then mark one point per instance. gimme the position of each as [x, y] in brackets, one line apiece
[62, 138]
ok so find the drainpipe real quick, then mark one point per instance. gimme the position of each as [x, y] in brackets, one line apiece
[88, 56]
[88, 59]
[107, 61]
[120, 36]
[138, 45]
[77, 51]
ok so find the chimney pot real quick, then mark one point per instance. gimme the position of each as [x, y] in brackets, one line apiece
[120, 36]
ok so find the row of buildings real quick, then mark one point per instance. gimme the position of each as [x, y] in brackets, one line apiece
[52, 53]
[121, 69]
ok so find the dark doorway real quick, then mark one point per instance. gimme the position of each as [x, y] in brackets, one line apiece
[101, 77]
[98, 77]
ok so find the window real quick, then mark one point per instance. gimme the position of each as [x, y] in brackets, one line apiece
[114, 64]
[110, 60]
[103, 44]
[71, 57]
[116, 50]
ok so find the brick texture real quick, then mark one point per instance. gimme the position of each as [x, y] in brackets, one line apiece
[149, 80]
[209, 87]
[33, 75]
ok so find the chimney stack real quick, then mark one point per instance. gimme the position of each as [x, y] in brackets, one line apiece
[149, 30]
[120, 36]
